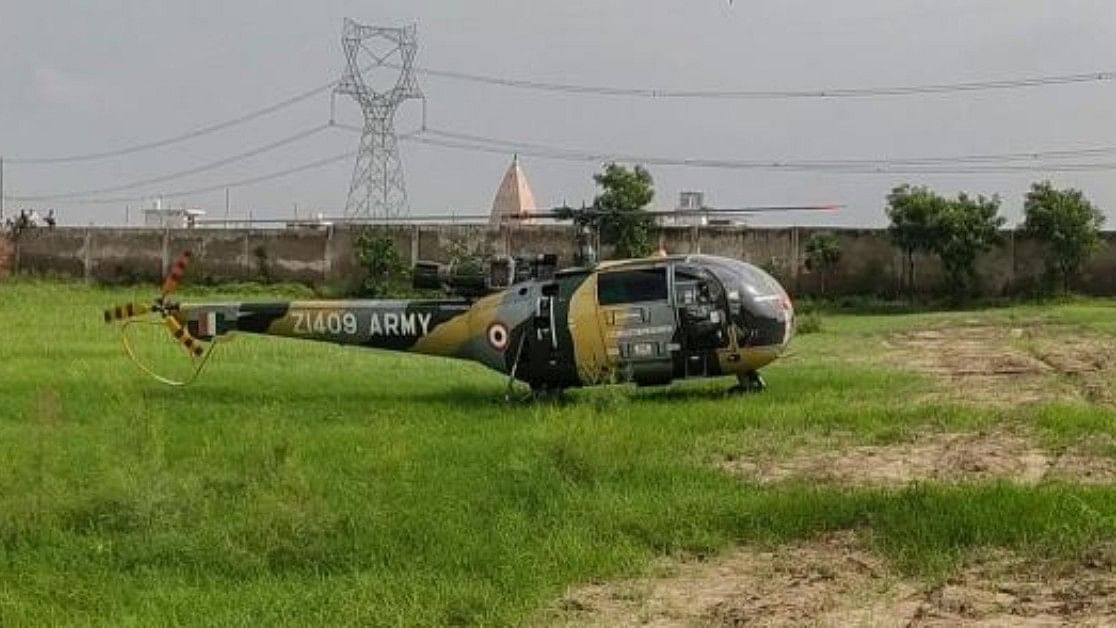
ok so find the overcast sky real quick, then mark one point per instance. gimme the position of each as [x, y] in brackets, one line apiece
[79, 77]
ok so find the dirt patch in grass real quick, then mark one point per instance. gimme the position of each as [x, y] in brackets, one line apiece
[1000, 589]
[830, 581]
[1008, 365]
[835, 581]
[953, 457]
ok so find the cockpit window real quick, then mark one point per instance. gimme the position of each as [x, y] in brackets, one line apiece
[632, 286]
[707, 287]
[733, 273]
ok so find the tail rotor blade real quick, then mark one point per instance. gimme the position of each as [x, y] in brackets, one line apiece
[174, 275]
[126, 311]
[183, 337]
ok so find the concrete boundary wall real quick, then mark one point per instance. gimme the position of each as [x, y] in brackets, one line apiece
[7, 256]
[869, 264]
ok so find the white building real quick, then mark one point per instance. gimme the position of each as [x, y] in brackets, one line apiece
[689, 202]
[159, 218]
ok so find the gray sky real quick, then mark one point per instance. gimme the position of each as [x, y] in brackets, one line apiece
[79, 77]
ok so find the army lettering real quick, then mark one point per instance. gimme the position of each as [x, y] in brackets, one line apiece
[380, 323]
[399, 324]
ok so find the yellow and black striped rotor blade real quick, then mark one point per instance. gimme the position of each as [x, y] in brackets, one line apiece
[174, 275]
[128, 310]
[183, 337]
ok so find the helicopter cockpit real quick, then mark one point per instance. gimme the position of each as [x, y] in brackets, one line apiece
[692, 316]
[759, 308]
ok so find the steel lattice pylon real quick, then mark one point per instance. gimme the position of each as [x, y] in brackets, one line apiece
[378, 191]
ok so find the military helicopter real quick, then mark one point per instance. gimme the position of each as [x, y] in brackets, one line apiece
[649, 321]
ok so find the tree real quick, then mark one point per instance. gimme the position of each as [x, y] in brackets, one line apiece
[956, 230]
[822, 254]
[376, 253]
[622, 218]
[964, 228]
[913, 212]
[1067, 223]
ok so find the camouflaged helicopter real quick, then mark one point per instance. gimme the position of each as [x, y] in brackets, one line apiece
[648, 321]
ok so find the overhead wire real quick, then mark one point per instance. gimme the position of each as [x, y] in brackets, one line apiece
[175, 175]
[574, 88]
[318, 163]
[1033, 155]
[182, 137]
[476, 143]
[973, 164]
[744, 94]
[480, 144]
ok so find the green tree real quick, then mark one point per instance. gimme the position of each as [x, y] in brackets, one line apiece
[621, 208]
[822, 254]
[1067, 223]
[964, 228]
[914, 212]
[375, 250]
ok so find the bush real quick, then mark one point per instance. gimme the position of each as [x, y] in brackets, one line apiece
[808, 323]
[377, 255]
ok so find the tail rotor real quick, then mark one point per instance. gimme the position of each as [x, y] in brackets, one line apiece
[164, 313]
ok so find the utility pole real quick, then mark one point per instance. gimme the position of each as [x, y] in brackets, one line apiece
[226, 208]
[1, 188]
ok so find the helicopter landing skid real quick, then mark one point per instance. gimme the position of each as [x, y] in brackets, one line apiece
[750, 382]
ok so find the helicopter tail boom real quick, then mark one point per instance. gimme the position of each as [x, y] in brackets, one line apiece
[429, 327]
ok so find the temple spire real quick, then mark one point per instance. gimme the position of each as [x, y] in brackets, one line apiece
[514, 197]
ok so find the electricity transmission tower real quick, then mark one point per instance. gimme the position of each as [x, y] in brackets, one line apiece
[378, 191]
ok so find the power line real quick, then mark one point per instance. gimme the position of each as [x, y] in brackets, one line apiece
[566, 154]
[645, 92]
[189, 135]
[176, 175]
[318, 163]
[960, 164]
[217, 187]
[741, 94]
[932, 160]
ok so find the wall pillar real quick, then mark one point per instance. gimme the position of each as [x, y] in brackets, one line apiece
[245, 255]
[8, 248]
[1014, 262]
[87, 256]
[166, 254]
[796, 257]
[327, 255]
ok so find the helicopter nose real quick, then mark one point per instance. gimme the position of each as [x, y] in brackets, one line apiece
[788, 320]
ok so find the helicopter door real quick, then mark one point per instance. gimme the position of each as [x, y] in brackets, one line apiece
[702, 319]
[545, 363]
[638, 322]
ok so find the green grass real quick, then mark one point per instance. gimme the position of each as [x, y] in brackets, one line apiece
[298, 483]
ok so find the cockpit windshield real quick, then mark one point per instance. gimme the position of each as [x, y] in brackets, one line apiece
[758, 306]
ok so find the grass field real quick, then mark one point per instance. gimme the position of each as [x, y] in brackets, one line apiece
[308, 484]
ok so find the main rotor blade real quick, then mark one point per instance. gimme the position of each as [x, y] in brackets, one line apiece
[566, 213]
[558, 213]
[771, 209]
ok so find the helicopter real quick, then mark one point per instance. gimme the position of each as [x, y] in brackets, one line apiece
[647, 321]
